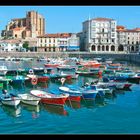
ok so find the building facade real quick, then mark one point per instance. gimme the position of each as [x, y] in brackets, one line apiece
[128, 39]
[99, 34]
[31, 26]
[59, 42]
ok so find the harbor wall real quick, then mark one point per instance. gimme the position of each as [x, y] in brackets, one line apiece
[119, 56]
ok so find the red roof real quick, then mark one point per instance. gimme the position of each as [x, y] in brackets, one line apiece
[130, 30]
[58, 35]
[102, 19]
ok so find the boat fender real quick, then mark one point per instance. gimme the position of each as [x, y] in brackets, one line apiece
[45, 71]
[31, 71]
[34, 81]
[63, 80]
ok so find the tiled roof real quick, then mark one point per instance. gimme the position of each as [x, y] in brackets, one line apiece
[120, 27]
[58, 35]
[130, 30]
[102, 19]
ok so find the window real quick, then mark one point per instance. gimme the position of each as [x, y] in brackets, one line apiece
[103, 30]
[132, 42]
[49, 40]
[128, 37]
[113, 40]
[128, 42]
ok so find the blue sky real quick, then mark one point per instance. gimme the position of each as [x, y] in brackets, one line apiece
[70, 18]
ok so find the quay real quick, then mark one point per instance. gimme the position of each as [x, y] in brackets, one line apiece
[119, 56]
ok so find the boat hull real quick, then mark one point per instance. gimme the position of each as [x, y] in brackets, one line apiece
[54, 101]
[11, 102]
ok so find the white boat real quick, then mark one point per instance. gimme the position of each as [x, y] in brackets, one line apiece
[11, 101]
[29, 99]
[3, 70]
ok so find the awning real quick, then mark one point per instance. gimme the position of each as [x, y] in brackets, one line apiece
[73, 48]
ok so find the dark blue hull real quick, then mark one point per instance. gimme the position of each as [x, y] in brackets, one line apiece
[91, 96]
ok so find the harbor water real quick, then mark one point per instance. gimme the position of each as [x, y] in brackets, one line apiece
[116, 114]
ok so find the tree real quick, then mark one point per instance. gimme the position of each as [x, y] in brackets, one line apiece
[26, 45]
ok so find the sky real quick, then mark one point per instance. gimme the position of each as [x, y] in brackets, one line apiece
[70, 18]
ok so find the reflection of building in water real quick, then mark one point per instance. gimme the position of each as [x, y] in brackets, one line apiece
[55, 109]
[73, 104]
[11, 111]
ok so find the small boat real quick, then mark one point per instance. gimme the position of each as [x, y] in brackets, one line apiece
[74, 94]
[29, 99]
[51, 65]
[49, 98]
[10, 101]
[3, 70]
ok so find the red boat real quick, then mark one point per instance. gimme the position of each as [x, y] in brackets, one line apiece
[39, 78]
[49, 98]
[74, 98]
[51, 65]
[43, 79]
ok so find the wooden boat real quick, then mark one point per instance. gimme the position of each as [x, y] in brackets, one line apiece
[10, 101]
[29, 99]
[3, 70]
[74, 94]
[51, 65]
[49, 98]
[134, 79]
[40, 78]
[89, 94]
[66, 67]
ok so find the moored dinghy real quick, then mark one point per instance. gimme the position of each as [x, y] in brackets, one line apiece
[10, 100]
[74, 94]
[29, 99]
[49, 98]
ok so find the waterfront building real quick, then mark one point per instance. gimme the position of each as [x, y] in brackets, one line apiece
[57, 42]
[99, 35]
[11, 46]
[128, 39]
[31, 26]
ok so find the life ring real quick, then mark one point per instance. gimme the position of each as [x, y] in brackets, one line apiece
[31, 71]
[34, 81]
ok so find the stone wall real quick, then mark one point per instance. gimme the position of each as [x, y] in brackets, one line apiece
[128, 57]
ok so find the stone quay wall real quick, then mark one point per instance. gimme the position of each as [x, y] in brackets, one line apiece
[119, 56]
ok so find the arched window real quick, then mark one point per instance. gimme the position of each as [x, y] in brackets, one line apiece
[132, 48]
[93, 47]
[103, 48]
[112, 48]
[107, 48]
[120, 48]
[99, 48]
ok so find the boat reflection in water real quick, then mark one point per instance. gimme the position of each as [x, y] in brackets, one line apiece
[100, 102]
[59, 110]
[88, 103]
[11, 111]
[73, 104]
[33, 109]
